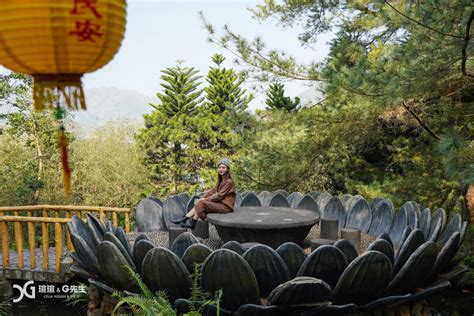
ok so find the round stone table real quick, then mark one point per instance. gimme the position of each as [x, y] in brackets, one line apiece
[268, 225]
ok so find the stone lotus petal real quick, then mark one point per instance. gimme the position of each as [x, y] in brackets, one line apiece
[269, 268]
[140, 249]
[182, 242]
[157, 200]
[383, 246]
[326, 263]
[374, 202]
[149, 215]
[79, 227]
[113, 239]
[80, 271]
[345, 197]
[294, 198]
[141, 236]
[172, 209]
[438, 215]
[108, 224]
[416, 270]
[425, 222]
[113, 266]
[447, 253]
[293, 255]
[300, 291]
[282, 192]
[463, 233]
[414, 240]
[250, 199]
[364, 279]
[101, 285]
[315, 194]
[96, 225]
[347, 249]
[399, 223]
[226, 269]
[413, 213]
[120, 234]
[234, 246]
[77, 260]
[453, 227]
[307, 202]
[85, 254]
[386, 237]
[238, 199]
[195, 254]
[382, 216]
[191, 202]
[265, 197]
[349, 203]
[435, 230]
[360, 216]
[183, 199]
[323, 199]
[162, 270]
[335, 210]
[279, 200]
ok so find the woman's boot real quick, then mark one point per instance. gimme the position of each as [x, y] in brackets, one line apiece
[190, 223]
[180, 220]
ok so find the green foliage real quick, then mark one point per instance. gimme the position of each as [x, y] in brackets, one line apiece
[107, 168]
[81, 299]
[224, 92]
[180, 91]
[396, 118]
[276, 99]
[150, 304]
[181, 149]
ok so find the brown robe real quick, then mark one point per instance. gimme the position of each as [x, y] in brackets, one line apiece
[218, 200]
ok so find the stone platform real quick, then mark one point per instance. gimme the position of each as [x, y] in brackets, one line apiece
[268, 225]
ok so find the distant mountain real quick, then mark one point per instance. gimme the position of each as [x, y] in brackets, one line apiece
[107, 104]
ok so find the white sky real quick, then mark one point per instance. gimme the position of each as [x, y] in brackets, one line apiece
[161, 32]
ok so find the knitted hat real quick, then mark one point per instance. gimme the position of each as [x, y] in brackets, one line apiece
[225, 162]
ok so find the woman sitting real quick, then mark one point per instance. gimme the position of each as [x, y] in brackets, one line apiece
[220, 199]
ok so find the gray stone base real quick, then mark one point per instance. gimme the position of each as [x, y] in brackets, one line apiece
[315, 243]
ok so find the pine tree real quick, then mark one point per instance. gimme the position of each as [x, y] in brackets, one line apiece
[224, 92]
[276, 99]
[180, 91]
[171, 135]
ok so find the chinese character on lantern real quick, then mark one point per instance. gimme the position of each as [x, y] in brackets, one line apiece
[81, 5]
[86, 30]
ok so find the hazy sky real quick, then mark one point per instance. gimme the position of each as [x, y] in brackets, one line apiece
[158, 33]
[161, 32]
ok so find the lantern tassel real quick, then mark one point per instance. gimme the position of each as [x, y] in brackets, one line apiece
[65, 161]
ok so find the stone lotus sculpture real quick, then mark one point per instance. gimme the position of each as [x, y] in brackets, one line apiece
[423, 254]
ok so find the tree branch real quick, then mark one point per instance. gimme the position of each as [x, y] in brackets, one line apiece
[421, 24]
[465, 44]
[417, 118]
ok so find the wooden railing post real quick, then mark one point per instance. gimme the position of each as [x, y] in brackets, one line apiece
[45, 245]
[127, 222]
[68, 237]
[5, 244]
[19, 243]
[31, 244]
[58, 236]
[114, 219]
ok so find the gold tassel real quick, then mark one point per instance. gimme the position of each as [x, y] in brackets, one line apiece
[66, 86]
